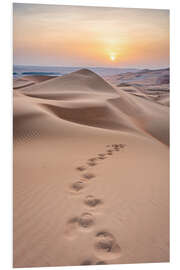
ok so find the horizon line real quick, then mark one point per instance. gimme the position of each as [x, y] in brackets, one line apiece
[84, 66]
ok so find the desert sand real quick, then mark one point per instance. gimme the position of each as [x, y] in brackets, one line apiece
[91, 169]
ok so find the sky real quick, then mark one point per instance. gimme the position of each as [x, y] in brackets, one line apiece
[57, 35]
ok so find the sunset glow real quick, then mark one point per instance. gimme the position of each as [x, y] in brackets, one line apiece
[90, 36]
[112, 57]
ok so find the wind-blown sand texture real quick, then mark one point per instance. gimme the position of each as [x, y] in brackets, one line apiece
[91, 169]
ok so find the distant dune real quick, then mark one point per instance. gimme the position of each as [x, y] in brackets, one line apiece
[91, 169]
[29, 80]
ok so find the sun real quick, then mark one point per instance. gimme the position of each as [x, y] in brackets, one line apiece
[112, 57]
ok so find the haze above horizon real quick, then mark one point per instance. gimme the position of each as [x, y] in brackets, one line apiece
[56, 35]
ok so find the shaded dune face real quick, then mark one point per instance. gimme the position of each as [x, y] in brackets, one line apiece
[85, 98]
[149, 116]
[95, 116]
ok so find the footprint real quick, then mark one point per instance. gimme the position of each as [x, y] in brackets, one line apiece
[101, 262]
[77, 186]
[88, 175]
[116, 147]
[92, 163]
[91, 201]
[92, 159]
[101, 155]
[86, 220]
[122, 145]
[106, 246]
[86, 262]
[81, 168]
[109, 152]
[89, 262]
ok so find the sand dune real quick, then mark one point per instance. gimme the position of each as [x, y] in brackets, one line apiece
[96, 103]
[21, 83]
[29, 80]
[83, 81]
[91, 167]
[37, 79]
[149, 84]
